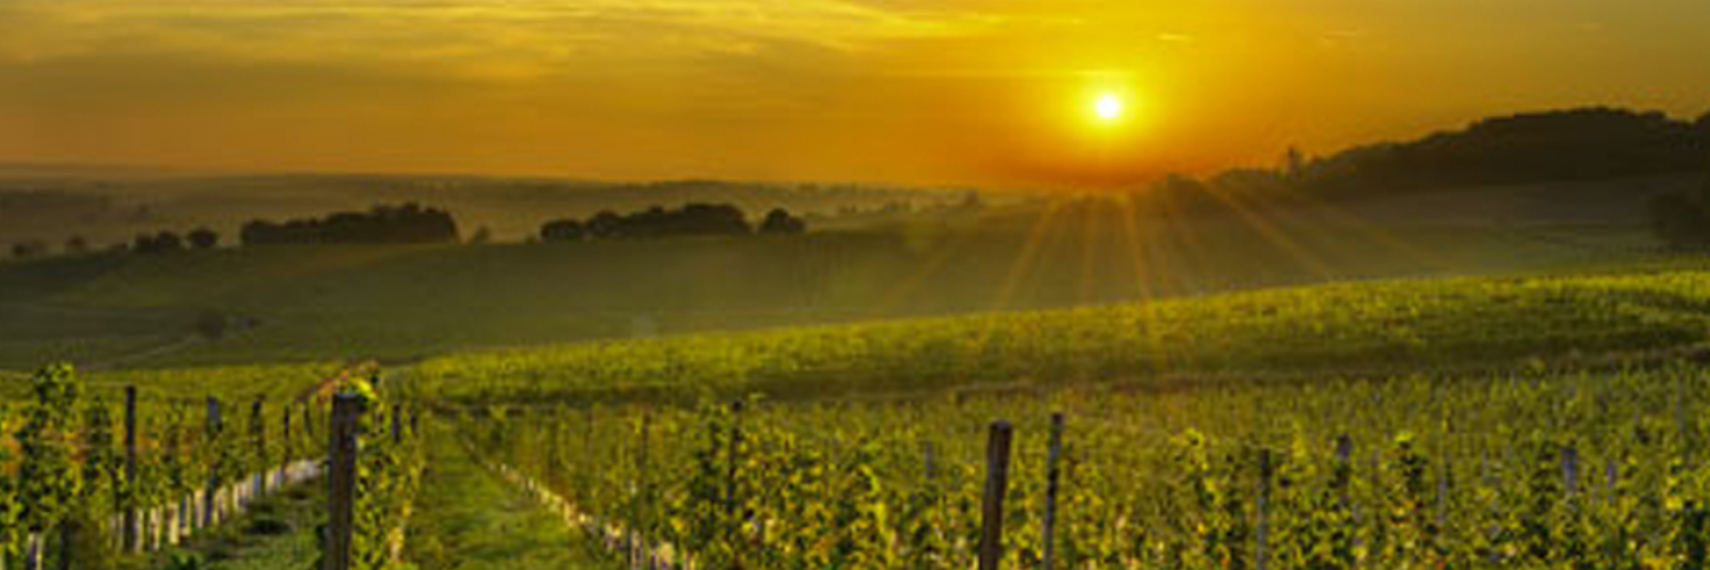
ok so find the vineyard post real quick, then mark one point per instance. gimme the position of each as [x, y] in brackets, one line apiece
[646, 518]
[397, 424]
[341, 479]
[1344, 461]
[129, 533]
[732, 456]
[1265, 468]
[997, 484]
[286, 445]
[211, 492]
[927, 464]
[1053, 477]
[260, 447]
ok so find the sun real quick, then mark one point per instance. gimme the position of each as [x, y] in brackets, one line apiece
[1108, 108]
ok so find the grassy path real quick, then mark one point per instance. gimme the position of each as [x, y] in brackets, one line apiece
[278, 533]
[469, 519]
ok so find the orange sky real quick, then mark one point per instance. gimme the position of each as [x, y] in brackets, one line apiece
[913, 91]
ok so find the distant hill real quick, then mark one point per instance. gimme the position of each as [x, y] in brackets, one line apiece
[1606, 157]
[1558, 146]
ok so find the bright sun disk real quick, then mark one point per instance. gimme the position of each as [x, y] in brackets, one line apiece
[1108, 107]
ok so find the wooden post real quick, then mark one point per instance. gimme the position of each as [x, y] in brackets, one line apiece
[286, 446]
[1261, 553]
[309, 423]
[1053, 478]
[732, 456]
[341, 480]
[646, 518]
[997, 485]
[255, 411]
[128, 535]
[212, 491]
[397, 424]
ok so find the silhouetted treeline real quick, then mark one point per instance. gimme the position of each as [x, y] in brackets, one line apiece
[166, 241]
[408, 223]
[1585, 144]
[691, 220]
[1576, 145]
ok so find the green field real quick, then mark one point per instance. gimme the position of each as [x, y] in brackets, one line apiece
[405, 303]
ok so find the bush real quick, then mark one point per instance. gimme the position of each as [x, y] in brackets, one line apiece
[204, 238]
[779, 221]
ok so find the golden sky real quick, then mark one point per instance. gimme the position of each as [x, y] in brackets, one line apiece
[912, 91]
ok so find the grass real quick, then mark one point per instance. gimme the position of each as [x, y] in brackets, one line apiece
[469, 519]
[277, 534]
[1631, 316]
[405, 303]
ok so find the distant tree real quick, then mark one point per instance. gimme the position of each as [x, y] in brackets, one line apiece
[605, 224]
[1294, 163]
[162, 242]
[203, 238]
[407, 223]
[694, 219]
[972, 202]
[482, 235]
[29, 249]
[76, 245]
[779, 221]
[562, 230]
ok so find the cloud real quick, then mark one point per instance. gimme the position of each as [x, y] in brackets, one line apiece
[481, 37]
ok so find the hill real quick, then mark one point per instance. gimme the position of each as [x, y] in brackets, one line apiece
[406, 302]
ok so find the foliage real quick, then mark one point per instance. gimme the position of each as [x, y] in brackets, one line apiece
[1504, 471]
[407, 223]
[693, 219]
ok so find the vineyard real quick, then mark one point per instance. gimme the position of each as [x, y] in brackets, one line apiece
[1523, 471]
[1545, 421]
[90, 477]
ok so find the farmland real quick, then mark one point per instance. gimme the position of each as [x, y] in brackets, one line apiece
[1442, 393]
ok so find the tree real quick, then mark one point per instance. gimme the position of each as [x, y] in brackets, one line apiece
[383, 224]
[76, 245]
[162, 242]
[779, 221]
[605, 224]
[29, 249]
[203, 238]
[562, 230]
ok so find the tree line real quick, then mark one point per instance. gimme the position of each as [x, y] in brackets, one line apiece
[693, 219]
[1587, 144]
[383, 224]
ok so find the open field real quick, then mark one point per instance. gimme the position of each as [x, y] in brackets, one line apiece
[402, 303]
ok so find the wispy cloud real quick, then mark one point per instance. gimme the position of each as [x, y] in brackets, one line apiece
[480, 36]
